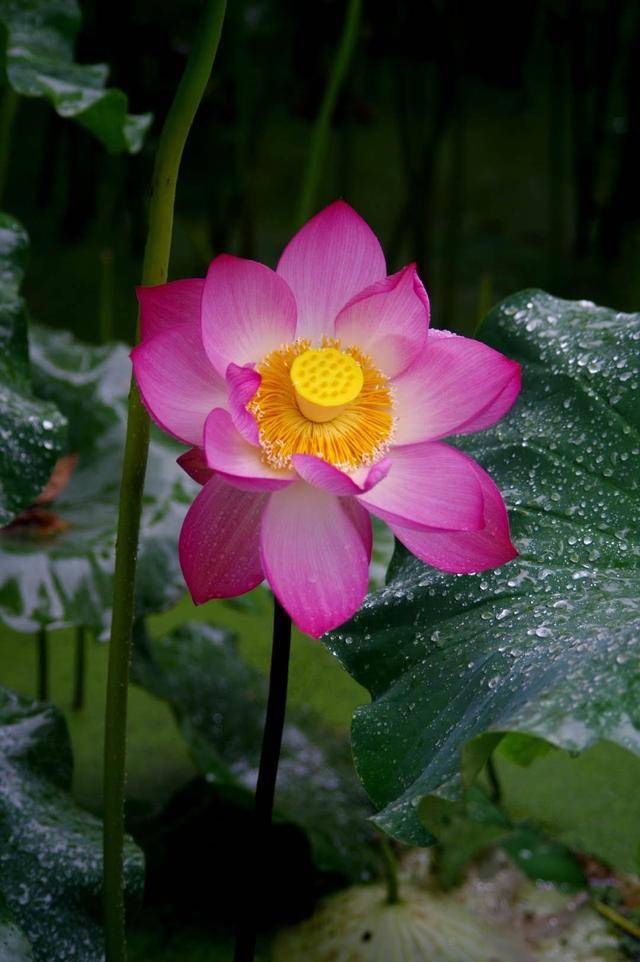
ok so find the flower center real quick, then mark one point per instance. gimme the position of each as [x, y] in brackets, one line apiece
[329, 402]
[325, 381]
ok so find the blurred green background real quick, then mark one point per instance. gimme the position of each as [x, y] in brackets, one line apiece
[498, 145]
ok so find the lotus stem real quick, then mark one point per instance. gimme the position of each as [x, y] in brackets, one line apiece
[390, 864]
[154, 271]
[617, 918]
[494, 781]
[320, 134]
[43, 665]
[79, 669]
[267, 773]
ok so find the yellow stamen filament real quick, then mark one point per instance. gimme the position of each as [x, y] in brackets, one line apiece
[325, 381]
[357, 434]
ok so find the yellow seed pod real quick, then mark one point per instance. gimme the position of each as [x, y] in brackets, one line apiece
[325, 382]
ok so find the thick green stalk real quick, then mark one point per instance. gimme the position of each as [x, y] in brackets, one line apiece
[246, 931]
[320, 135]
[155, 267]
[390, 866]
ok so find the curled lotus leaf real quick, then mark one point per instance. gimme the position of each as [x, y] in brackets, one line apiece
[37, 38]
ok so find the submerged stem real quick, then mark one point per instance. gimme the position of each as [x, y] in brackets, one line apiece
[390, 871]
[320, 134]
[155, 267]
[268, 772]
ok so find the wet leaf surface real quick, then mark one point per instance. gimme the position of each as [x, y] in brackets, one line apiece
[14, 945]
[65, 577]
[219, 701]
[32, 431]
[546, 645]
[36, 44]
[50, 850]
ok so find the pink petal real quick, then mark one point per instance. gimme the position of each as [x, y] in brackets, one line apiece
[314, 557]
[167, 305]
[240, 463]
[194, 463]
[243, 382]
[463, 552]
[501, 404]
[219, 542]
[333, 257]
[456, 386]
[247, 312]
[177, 383]
[429, 486]
[361, 520]
[323, 475]
[388, 321]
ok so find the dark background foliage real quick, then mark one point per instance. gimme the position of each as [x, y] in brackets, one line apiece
[497, 144]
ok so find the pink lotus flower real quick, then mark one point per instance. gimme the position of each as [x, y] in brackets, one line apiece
[313, 397]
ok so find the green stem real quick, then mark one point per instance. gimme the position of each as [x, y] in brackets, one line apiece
[245, 946]
[617, 918]
[390, 864]
[155, 269]
[494, 781]
[43, 665]
[320, 135]
[8, 108]
[79, 669]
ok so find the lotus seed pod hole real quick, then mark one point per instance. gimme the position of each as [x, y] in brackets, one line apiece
[325, 382]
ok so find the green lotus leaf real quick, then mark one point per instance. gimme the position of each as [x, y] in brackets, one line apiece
[65, 577]
[547, 645]
[32, 431]
[465, 829]
[50, 850]
[219, 701]
[14, 945]
[36, 48]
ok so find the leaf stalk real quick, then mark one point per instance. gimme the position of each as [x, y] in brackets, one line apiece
[266, 784]
[320, 134]
[154, 271]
